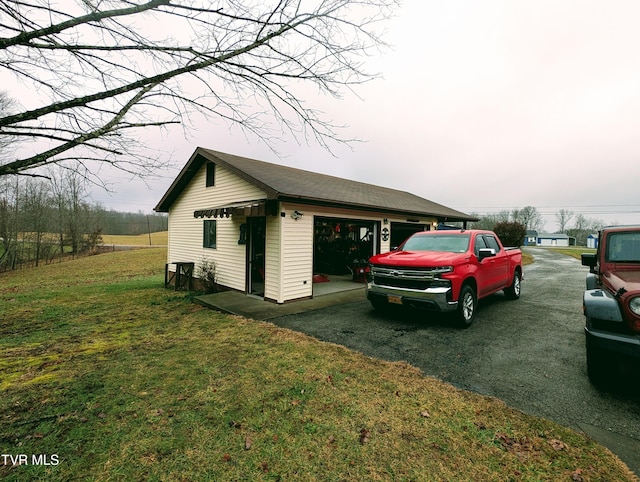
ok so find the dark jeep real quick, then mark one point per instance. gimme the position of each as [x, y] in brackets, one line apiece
[612, 302]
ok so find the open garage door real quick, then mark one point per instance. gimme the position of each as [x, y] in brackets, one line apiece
[401, 231]
[341, 248]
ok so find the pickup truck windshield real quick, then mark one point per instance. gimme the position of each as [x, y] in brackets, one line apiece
[448, 243]
[623, 247]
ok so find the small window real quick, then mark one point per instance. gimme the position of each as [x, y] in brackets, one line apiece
[480, 244]
[492, 243]
[211, 174]
[209, 234]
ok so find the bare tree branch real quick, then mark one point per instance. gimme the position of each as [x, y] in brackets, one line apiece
[103, 70]
[96, 16]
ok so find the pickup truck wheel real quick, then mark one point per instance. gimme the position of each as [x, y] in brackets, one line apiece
[379, 304]
[467, 304]
[513, 291]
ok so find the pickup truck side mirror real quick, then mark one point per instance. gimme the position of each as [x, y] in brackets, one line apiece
[590, 260]
[486, 253]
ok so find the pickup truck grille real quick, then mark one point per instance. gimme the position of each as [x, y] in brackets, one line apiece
[417, 279]
[401, 283]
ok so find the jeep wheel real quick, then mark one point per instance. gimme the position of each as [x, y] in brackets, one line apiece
[513, 291]
[599, 367]
[467, 304]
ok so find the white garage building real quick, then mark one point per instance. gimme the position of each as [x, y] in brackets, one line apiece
[273, 230]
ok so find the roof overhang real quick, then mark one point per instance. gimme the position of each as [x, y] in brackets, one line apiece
[441, 217]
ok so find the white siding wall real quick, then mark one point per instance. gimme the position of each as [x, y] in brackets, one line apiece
[273, 260]
[297, 254]
[186, 232]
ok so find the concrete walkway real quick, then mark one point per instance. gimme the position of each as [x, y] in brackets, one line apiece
[258, 309]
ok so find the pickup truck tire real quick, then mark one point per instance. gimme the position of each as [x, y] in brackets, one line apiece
[513, 291]
[379, 304]
[467, 305]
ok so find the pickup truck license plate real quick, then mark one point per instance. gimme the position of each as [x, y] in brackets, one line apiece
[396, 300]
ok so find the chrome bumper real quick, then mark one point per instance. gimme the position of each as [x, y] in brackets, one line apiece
[433, 298]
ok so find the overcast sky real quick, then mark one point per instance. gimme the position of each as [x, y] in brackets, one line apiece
[482, 106]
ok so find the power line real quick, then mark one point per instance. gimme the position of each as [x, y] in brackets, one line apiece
[593, 209]
[566, 205]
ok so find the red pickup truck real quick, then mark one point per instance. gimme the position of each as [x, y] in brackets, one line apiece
[445, 271]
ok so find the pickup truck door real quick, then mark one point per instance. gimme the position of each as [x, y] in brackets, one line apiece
[497, 266]
[484, 268]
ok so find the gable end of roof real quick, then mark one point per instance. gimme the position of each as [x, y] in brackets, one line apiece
[193, 165]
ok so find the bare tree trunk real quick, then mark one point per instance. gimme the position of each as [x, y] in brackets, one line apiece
[36, 202]
[9, 223]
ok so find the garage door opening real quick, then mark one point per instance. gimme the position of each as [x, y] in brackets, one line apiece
[341, 250]
[401, 231]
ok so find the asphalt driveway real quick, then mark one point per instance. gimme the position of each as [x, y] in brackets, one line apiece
[529, 353]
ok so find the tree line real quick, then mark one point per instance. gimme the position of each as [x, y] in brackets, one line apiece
[573, 225]
[46, 219]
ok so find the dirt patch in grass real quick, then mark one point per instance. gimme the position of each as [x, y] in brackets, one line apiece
[159, 238]
[121, 379]
[527, 258]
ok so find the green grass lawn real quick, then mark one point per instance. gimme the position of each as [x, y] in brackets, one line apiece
[112, 377]
[574, 251]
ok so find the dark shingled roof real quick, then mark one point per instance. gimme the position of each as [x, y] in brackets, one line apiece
[290, 184]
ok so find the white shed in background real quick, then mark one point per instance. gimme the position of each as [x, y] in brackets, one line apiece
[552, 239]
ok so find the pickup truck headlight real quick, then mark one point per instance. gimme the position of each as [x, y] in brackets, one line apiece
[439, 282]
[443, 270]
[634, 305]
